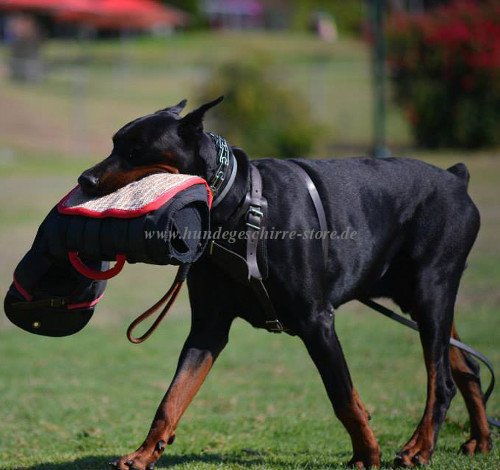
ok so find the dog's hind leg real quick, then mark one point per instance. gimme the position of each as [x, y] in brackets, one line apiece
[433, 310]
[322, 343]
[444, 231]
[204, 343]
[465, 373]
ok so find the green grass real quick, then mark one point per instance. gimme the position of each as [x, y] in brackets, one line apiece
[74, 403]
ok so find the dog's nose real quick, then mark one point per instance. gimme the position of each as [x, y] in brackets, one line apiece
[88, 183]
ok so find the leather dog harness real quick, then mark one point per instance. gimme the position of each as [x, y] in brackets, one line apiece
[246, 270]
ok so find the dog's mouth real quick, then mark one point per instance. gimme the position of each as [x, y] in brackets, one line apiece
[107, 183]
[96, 192]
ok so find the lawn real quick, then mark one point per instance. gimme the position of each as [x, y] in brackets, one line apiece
[75, 403]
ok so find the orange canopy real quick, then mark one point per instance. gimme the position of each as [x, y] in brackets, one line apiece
[119, 14]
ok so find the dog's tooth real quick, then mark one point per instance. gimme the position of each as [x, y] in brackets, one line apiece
[113, 464]
[151, 466]
[129, 463]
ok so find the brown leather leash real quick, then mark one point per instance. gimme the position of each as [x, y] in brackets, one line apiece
[167, 300]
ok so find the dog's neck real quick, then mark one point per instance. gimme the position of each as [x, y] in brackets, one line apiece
[235, 191]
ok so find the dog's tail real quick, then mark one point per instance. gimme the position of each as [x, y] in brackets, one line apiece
[461, 171]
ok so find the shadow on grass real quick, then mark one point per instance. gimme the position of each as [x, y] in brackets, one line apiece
[102, 462]
[245, 458]
[84, 463]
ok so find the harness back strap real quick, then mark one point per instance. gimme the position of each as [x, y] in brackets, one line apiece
[318, 206]
[320, 212]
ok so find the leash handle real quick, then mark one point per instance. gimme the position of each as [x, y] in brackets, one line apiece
[453, 342]
[167, 300]
[83, 269]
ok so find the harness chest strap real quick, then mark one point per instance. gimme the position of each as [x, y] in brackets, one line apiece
[247, 270]
[236, 267]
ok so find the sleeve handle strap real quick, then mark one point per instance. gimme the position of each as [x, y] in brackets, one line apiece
[83, 269]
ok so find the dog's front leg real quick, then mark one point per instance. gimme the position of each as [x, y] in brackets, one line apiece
[323, 345]
[200, 350]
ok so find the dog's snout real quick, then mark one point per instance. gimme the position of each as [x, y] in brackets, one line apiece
[88, 182]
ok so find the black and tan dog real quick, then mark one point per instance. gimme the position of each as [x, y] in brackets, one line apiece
[415, 225]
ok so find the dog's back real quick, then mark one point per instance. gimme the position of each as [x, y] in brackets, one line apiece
[386, 207]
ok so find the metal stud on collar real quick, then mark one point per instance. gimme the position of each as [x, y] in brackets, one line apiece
[223, 154]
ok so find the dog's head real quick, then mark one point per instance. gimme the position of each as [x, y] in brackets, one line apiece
[158, 142]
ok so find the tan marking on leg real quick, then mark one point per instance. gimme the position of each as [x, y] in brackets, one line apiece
[480, 434]
[365, 446]
[180, 394]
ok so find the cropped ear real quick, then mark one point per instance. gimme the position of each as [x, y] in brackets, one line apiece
[174, 109]
[191, 125]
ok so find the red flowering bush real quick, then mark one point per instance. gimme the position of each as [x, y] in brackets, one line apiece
[445, 66]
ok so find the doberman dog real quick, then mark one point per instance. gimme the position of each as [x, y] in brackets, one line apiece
[415, 226]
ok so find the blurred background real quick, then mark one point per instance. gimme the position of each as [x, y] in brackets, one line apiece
[311, 78]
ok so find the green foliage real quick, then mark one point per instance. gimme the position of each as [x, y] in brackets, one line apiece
[348, 15]
[446, 67]
[259, 113]
[191, 7]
